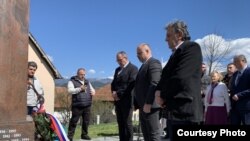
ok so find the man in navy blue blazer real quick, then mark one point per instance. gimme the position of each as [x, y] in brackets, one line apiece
[240, 92]
[121, 87]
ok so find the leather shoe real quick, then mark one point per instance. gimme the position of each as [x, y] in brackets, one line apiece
[85, 137]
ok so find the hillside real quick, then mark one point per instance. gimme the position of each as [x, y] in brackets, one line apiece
[96, 83]
[104, 93]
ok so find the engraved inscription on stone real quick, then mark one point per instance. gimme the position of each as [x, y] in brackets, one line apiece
[14, 29]
[11, 135]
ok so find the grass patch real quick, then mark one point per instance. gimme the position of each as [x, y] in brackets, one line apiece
[101, 130]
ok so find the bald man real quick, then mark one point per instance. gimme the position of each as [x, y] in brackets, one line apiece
[146, 81]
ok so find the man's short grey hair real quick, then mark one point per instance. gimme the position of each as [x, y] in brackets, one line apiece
[80, 70]
[123, 53]
[179, 27]
[240, 57]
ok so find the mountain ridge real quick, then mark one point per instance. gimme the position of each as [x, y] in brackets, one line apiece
[96, 82]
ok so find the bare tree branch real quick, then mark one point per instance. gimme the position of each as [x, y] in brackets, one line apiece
[215, 50]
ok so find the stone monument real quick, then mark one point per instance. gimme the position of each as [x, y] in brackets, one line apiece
[14, 29]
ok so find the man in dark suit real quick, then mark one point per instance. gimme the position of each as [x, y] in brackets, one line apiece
[146, 81]
[179, 89]
[240, 92]
[121, 87]
[230, 71]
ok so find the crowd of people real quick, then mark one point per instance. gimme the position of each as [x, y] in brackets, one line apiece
[182, 88]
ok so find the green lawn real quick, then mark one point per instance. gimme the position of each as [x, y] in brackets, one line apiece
[108, 129]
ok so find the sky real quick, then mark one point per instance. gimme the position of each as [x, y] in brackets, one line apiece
[89, 33]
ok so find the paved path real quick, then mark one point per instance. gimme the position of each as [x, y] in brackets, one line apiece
[115, 138]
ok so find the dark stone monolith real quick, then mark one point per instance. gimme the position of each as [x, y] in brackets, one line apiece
[14, 29]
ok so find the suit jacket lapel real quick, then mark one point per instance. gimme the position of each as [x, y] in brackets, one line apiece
[123, 70]
[173, 55]
[141, 67]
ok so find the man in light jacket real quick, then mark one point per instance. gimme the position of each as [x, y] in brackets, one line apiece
[34, 88]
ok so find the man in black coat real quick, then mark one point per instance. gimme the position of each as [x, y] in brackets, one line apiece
[121, 87]
[146, 81]
[179, 89]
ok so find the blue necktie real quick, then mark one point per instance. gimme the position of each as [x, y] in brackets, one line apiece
[141, 67]
[237, 78]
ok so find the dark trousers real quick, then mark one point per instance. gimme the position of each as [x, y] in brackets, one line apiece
[30, 110]
[124, 114]
[77, 112]
[167, 128]
[238, 117]
[173, 123]
[150, 124]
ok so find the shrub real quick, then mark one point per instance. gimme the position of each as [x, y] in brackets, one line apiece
[104, 109]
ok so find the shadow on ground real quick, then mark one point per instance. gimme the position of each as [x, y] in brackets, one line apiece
[106, 134]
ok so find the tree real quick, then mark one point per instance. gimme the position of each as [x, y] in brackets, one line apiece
[99, 107]
[63, 105]
[215, 51]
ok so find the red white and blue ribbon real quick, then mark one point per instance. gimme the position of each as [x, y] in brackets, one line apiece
[58, 128]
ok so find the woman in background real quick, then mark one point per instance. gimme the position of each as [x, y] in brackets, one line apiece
[217, 103]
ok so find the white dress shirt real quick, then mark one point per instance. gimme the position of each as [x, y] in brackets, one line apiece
[73, 90]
